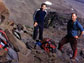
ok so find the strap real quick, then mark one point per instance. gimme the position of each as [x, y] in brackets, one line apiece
[4, 34]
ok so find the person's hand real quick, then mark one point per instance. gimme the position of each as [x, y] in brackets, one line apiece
[76, 37]
[35, 24]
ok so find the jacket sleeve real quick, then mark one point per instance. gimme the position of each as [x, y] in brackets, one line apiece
[35, 15]
[80, 27]
[68, 25]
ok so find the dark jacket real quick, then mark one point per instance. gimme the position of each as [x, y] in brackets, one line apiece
[39, 16]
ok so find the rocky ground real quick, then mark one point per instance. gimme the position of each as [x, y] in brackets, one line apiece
[20, 11]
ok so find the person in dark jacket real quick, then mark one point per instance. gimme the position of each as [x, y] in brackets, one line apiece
[73, 28]
[39, 22]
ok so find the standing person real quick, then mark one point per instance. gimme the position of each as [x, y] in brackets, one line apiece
[73, 27]
[39, 22]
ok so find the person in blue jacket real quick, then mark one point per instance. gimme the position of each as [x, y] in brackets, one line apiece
[39, 22]
[73, 28]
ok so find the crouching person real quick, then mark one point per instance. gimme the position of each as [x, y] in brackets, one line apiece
[73, 26]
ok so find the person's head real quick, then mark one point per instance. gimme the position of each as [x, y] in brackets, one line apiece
[43, 6]
[74, 17]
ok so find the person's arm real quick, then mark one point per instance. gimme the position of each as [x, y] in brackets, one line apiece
[35, 19]
[81, 30]
[79, 35]
[68, 26]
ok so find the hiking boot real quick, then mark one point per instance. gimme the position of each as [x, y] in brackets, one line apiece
[73, 58]
[61, 50]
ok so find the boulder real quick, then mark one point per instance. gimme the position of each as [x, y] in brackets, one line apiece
[4, 13]
[18, 45]
[12, 40]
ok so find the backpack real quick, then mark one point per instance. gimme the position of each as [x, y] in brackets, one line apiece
[3, 36]
[3, 43]
[47, 44]
[3, 48]
[6, 50]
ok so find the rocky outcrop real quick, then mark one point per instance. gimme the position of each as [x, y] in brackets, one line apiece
[4, 13]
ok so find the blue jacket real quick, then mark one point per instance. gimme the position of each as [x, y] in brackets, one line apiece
[39, 16]
[74, 28]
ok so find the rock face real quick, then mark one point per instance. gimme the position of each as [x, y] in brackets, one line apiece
[21, 11]
[16, 8]
[4, 13]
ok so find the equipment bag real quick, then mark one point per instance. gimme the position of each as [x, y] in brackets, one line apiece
[3, 43]
[47, 44]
